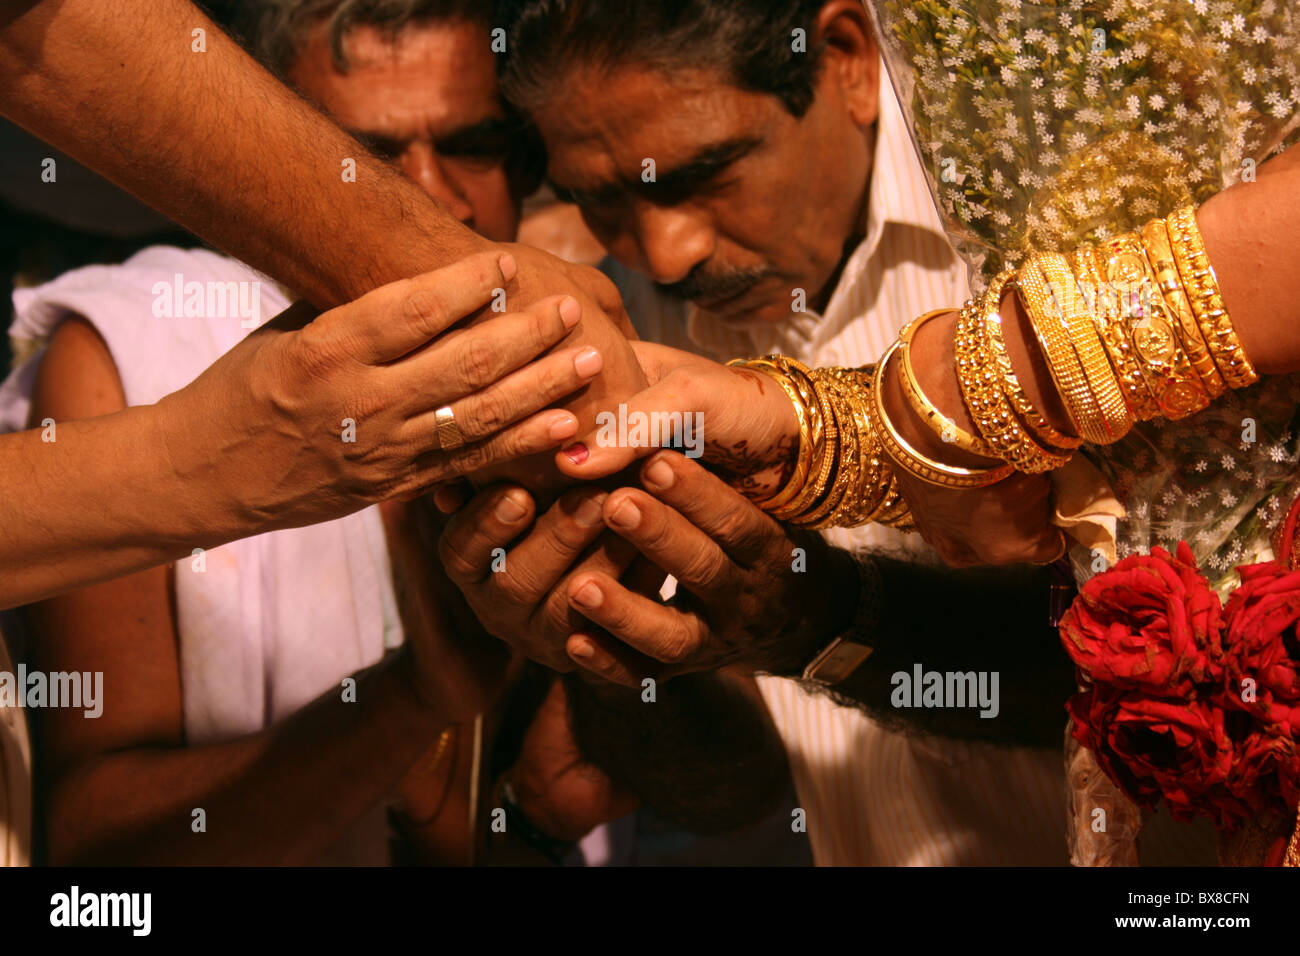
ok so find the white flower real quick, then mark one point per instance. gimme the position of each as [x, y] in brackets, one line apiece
[1156, 101]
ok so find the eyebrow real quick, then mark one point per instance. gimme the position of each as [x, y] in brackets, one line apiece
[704, 165]
[380, 141]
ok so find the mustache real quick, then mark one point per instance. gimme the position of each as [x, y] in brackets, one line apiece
[712, 286]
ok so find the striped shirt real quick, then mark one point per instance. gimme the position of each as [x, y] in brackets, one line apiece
[873, 796]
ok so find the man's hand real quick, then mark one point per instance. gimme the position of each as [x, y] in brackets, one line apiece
[750, 592]
[517, 587]
[747, 428]
[339, 413]
[1005, 523]
[561, 794]
[455, 667]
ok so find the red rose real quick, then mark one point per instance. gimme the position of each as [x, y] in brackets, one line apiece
[1150, 622]
[1159, 747]
[1262, 658]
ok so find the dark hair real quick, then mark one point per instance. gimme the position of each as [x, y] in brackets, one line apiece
[750, 41]
[274, 30]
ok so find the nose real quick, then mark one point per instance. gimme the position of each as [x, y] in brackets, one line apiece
[672, 241]
[421, 163]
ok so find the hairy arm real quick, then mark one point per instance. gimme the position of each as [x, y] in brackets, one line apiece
[976, 620]
[214, 141]
[122, 787]
[704, 753]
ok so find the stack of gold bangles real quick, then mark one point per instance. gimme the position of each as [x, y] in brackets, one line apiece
[1131, 329]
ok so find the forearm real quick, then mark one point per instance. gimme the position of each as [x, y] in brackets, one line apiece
[1250, 232]
[278, 797]
[126, 508]
[705, 753]
[250, 167]
[979, 621]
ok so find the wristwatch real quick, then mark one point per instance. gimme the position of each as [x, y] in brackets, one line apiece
[545, 844]
[844, 654]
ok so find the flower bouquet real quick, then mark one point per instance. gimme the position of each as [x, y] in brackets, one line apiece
[1192, 703]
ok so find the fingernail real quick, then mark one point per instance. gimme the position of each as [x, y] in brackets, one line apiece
[508, 266]
[588, 362]
[588, 596]
[510, 508]
[566, 426]
[583, 651]
[659, 475]
[577, 453]
[570, 312]
[589, 511]
[626, 515]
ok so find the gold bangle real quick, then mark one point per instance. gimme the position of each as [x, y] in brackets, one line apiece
[803, 462]
[875, 496]
[908, 458]
[1103, 305]
[1046, 317]
[980, 377]
[1168, 372]
[847, 463]
[1034, 420]
[825, 435]
[1202, 287]
[1160, 254]
[938, 422]
[1103, 384]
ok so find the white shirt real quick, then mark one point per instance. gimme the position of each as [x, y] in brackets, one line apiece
[872, 796]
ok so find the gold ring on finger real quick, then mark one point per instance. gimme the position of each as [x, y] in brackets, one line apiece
[449, 435]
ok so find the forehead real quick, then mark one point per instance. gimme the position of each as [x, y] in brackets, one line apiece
[601, 124]
[426, 76]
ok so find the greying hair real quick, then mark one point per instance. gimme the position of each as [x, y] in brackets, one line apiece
[274, 30]
[749, 41]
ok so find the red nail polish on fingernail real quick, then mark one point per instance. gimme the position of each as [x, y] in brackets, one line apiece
[577, 453]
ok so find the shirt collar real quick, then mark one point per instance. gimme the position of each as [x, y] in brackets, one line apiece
[899, 194]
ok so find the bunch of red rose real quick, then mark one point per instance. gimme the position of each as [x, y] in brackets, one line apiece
[1183, 698]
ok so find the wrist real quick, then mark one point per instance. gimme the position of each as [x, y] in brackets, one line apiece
[837, 599]
[191, 487]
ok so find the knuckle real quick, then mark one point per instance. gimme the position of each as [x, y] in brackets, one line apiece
[458, 567]
[544, 326]
[471, 458]
[677, 647]
[492, 411]
[477, 361]
[703, 566]
[424, 308]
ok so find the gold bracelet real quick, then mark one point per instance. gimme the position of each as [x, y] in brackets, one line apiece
[847, 461]
[1168, 371]
[1034, 421]
[1202, 287]
[908, 458]
[1046, 317]
[980, 377]
[1111, 326]
[825, 432]
[1103, 384]
[797, 480]
[939, 423]
[1160, 254]
[877, 497]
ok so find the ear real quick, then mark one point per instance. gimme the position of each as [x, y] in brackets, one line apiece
[852, 58]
